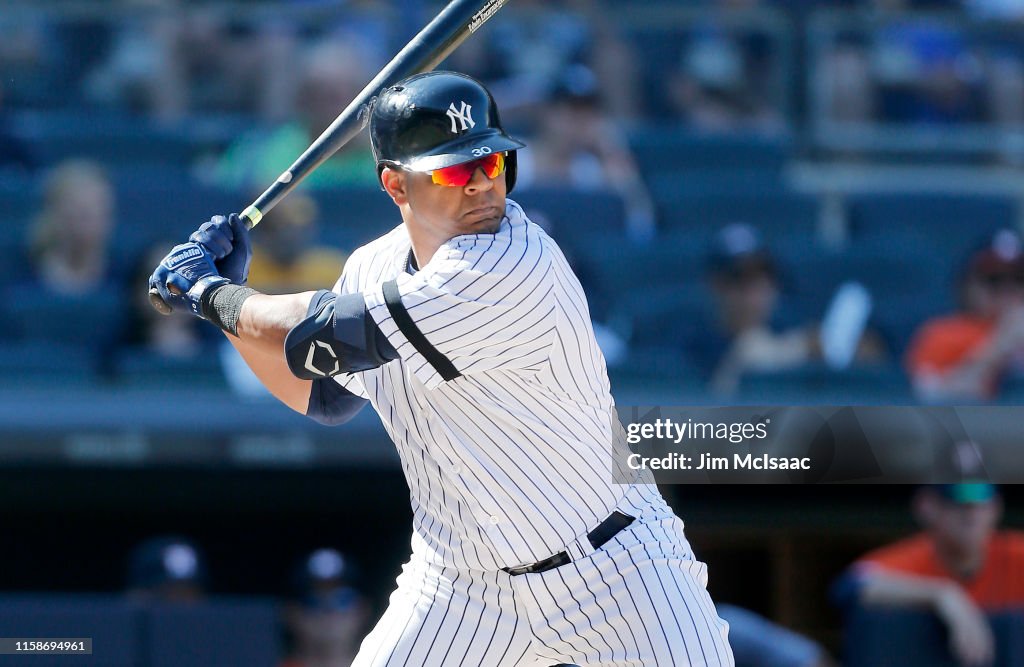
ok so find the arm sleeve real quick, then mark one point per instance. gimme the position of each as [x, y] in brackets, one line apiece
[483, 302]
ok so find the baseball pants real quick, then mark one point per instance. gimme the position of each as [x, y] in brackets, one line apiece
[638, 601]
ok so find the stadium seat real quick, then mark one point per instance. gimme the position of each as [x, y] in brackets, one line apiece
[155, 208]
[674, 147]
[820, 385]
[671, 185]
[19, 198]
[700, 214]
[352, 216]
[572, 214]
[656, 316]
[110, 621]
[213, 634]
[92, 320]
[950, 224]
[138, 367]
[625, 269]
[898, 638]
[114, 138]
[42, 363]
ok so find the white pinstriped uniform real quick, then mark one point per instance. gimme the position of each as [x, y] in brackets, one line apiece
[509, 464]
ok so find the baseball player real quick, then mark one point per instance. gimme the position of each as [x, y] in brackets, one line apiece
[468, 333]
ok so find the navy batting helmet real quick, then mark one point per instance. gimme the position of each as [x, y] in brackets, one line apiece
[438, 119]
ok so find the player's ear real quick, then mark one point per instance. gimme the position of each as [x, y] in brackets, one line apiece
[394, 184]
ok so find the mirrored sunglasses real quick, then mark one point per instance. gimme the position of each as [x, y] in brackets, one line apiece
[459, 175]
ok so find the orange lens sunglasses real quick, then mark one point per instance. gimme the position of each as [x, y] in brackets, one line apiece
[459, 175]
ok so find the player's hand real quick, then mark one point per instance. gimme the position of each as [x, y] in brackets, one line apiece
[227, 239]
[183, 275]
[970, 636]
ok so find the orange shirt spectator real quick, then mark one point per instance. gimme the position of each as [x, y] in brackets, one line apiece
[997, 585]
[960, 567]
[944, 343]
[963, 356]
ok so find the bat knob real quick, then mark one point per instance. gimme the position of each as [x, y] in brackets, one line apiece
[158, 303]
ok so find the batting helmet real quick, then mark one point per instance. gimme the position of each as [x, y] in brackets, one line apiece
[435, 120]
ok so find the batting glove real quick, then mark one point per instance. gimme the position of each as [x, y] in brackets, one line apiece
[227, 239]
[185, 275]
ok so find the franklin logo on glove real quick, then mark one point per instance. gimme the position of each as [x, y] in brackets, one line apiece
[174, 261]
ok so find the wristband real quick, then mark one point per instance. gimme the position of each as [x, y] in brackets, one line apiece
[223, 304]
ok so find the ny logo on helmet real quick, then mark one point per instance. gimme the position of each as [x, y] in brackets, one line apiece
[462, 115]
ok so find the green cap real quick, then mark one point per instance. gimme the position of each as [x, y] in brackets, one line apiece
[967, 493]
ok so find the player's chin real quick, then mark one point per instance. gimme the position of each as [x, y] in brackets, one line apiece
[484, 221]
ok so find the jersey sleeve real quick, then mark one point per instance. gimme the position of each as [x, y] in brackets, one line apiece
[483, 302]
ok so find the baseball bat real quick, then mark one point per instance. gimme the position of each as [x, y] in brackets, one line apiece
[457, 21]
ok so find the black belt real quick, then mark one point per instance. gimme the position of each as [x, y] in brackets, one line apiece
[598, 537]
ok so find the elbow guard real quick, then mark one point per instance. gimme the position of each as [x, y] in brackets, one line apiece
[331, 404]
[337, 336]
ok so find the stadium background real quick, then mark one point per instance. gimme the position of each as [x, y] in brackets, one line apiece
[876, 142]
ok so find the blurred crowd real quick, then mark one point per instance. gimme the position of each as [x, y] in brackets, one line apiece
[714, 64]
[323, 616]
[579, 80]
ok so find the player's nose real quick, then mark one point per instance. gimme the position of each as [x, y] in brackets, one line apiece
[479, 182]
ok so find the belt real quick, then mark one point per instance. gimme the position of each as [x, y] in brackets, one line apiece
[598, 537]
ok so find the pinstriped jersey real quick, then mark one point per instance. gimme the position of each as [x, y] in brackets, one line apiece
[511, 461]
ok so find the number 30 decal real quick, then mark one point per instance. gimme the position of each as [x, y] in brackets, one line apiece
[483, 150]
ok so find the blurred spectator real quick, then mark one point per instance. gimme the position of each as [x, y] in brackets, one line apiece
[30, 56]
[724, 78]
[167, 569]
[333, 73]
[1001, 48]
[141, 71]
[960, 567]
[842, 81]
[169, 59]
[615, 63]
[532, 43]
[69, 242]
[286, 257]
[743, 336]
[926, 73]
[757, 642]
[577, 144]
[963, 356]
[528, 49]
[325, 618]
[907, 69]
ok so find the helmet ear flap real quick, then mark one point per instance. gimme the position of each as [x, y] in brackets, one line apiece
[511, 168]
